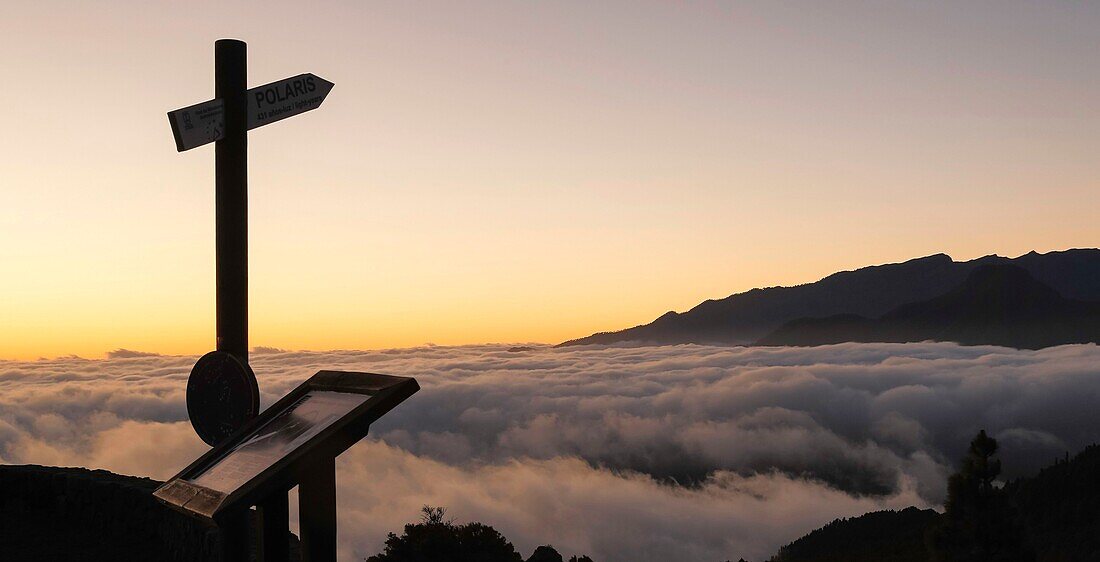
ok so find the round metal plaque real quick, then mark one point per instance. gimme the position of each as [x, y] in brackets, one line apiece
[222, 395]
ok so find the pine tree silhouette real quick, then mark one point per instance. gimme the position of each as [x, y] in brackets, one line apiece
[979, 524]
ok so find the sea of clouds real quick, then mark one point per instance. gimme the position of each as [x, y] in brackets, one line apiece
[637, 454]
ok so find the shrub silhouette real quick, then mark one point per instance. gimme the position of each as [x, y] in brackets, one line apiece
[545, 553]
[436, 539]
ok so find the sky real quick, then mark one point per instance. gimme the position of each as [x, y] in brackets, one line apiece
[526, 171]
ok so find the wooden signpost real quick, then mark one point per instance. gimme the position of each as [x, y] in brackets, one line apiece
[222, 392]
[258, 457]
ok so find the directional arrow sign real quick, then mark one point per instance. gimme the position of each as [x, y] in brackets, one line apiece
[204, 123]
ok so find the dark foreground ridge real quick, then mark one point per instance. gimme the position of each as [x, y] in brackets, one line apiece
[1053, 516]
[51, 513]
[897, 536]
[867, 293]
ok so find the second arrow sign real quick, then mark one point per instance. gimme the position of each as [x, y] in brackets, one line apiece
[204, 123]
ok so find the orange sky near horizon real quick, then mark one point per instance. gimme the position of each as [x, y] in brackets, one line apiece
[514, 172]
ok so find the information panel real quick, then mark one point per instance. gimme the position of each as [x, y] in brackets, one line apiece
[287, 431]
[286, 444]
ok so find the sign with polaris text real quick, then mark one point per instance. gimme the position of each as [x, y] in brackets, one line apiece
[204, 123]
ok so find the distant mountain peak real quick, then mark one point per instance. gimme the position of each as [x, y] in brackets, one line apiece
[997, 304]
[1007, 281]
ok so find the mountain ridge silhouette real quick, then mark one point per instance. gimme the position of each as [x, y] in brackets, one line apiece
[997, 304]
[869, 292]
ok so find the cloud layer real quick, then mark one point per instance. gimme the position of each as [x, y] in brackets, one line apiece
[625, 453]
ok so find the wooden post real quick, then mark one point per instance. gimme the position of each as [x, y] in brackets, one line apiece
[274, 524]
[235, 536]
[317, 512]
[231, 199]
